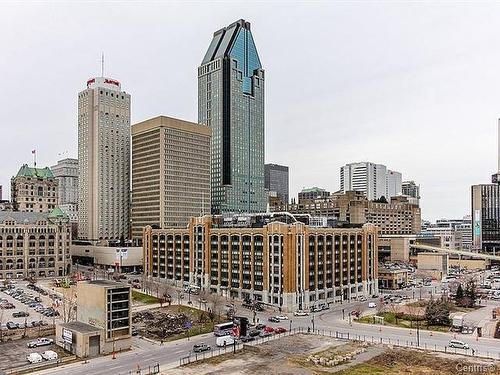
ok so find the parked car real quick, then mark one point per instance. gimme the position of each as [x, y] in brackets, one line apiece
[34, 358]
[134, 332]
[42, 341]
[265, 334]
[279, 330]
[202, 347]
[247, 338]
[268, 329]
[372, 305]
[254, 332]
[11, 325]
[282, 317]
[20, 314]
[300, 313]
[260, 326]
[274, 319]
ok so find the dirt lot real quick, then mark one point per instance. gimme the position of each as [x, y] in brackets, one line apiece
[171, 322]
[292, 355]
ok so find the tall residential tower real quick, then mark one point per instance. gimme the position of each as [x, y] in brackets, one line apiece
[104, 160]
[231, 102]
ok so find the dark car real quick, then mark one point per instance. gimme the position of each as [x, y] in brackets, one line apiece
[265, 334]
[274, 319]
[11, 325]
[247, 338]
[254, 332]
[20, 314]
[260, 326]
[135, 332]
[202, 347]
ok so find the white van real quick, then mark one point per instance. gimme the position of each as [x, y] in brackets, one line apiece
[458, 344]
[49, 355]
[224, 341]
[34, 358]
[372, 305]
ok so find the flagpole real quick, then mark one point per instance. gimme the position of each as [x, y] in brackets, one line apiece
[34, 158]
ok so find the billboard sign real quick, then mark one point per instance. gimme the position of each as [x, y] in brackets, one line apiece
[67, 336]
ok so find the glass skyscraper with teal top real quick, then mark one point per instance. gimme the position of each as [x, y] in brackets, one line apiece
[231, 102]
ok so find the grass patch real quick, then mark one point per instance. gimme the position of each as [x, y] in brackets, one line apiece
[390, 320]
[143, 298]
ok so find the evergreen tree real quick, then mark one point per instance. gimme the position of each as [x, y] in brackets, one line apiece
[460, 295]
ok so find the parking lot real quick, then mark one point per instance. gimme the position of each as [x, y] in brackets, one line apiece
[38, 304]
[14, 353]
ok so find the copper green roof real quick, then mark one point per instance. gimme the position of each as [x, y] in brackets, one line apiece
[27, 171]
[57, 212]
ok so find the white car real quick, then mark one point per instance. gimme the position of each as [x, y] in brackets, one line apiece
[34, 358]
[40, 342]
[49, 355]
[371, 305]
[282, 317]
[300, 313]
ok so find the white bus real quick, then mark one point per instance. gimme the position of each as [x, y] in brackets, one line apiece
[223, 329]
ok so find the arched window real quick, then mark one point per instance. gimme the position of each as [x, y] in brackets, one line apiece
[10, 241]
[19, 242]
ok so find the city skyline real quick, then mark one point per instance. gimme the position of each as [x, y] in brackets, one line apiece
[370, 99]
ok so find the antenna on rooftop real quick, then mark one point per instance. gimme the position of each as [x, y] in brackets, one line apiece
[102, 64]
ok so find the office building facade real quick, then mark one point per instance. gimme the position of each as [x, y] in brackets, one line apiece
[486, 217]
[393, 182]
[411, 189]
[231, 103]
[34, 244]
[276, 179]
[34, 190]
[309, 195]
[374, 180]
[398, 217]
[170, 173]
[103, 160]
[66, 174]
[277, 260]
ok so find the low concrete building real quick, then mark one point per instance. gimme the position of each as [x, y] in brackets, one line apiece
[434, 265]
[126, 258]
[392, 278]
[103, 322]
[80, 339]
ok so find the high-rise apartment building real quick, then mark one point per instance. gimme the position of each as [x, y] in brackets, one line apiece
[393, 181]
[34, 190]
[369, 178]
[231, 102]
[103, 160]
[272, 258]
[276, 179]
[486, 217]
[170, 173]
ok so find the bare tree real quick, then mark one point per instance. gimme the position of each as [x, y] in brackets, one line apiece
[68, 305]
[216, 302]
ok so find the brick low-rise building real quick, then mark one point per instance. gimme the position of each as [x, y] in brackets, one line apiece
[271, 258]
[34, 244]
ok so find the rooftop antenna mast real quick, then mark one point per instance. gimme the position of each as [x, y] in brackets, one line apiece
[102, 64]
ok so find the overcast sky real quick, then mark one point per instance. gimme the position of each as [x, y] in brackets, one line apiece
[413, 86]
